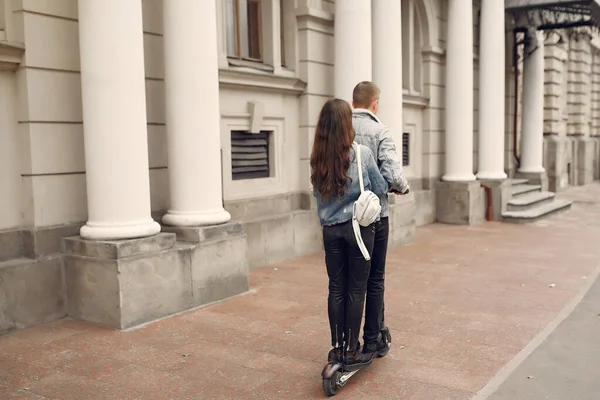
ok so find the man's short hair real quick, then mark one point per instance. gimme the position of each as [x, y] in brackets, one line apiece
[364, 94]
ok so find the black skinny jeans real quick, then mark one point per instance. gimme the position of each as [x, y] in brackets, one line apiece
[348, 276]
[374, 318]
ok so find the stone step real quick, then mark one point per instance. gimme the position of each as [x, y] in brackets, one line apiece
[515, 182]
[530, 200]
[537, 212]
[15, 262]
[523, 189]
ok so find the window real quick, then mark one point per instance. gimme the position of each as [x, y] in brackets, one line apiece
[282, 34]
[250, 155]
[405, 149]
[244, 30]
[411, 47]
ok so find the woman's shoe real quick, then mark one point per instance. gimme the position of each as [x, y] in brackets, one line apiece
[356, 360]
[335, 355]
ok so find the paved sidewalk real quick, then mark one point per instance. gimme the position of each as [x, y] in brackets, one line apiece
[461, 302]
[566, 365]
[566, 362]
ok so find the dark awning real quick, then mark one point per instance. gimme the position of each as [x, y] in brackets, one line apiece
[552, 14]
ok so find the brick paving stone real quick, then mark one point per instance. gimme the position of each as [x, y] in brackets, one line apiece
[461, 302]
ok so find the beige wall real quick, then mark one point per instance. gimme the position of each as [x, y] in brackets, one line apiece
[50, 131]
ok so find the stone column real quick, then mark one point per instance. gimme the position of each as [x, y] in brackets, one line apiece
[387, 62]
[192, 113]
[114, 119]
[580, 109]
[533, 104]
[352, 45]
[459, 92]
[491, 91]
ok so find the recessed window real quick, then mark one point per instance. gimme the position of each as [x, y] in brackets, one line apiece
[406, 149]
[250, 155]
[244, 30]
[282, 33]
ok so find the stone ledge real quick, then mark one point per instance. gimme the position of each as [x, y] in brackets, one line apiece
[32, 292]
[202, 234]
[264, 206]
[11, 244]
[118, 249]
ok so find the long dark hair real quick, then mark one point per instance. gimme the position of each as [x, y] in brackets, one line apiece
[330, 157]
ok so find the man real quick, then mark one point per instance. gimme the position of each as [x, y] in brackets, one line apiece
[372, 133]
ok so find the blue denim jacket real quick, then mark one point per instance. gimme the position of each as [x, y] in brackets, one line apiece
[337, 210]
[372, 133]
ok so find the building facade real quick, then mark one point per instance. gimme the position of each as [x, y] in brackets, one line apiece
[152, 151]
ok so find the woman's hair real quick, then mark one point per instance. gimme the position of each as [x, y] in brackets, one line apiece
[330, 157]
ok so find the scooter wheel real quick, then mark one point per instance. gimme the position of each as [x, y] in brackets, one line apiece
[330, 385]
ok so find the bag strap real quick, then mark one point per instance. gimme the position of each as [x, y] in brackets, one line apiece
[359, 162]
[355, 225]
[358, 237]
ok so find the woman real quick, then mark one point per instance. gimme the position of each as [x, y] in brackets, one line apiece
[336, 187]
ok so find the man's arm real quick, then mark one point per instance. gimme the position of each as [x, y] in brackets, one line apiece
[390, 165]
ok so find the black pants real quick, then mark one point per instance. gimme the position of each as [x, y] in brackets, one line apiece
[348, 276]
[374, 318]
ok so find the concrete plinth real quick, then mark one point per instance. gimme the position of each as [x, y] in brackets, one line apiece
[583, 153]
[557, 159]
[32, 292]
[121, 284]
[535, 178]
[597, 159]
[501, 194]
[460, 203]
[402, 220]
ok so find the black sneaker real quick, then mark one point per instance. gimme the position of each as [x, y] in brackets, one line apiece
[356, 360]
[381, 348]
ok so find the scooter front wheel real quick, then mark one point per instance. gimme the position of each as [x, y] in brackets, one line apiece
[332, 374]
[330, 385]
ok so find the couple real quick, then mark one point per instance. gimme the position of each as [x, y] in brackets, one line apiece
[340, 134]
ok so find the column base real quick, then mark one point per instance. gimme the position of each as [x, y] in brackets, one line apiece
[532, 170]
[583, 153]
[138, 229]
[597, 159]
[460, 203]
[491, 175]
[535, 178]
[201, 218]
[458, 178]
[121, 284]
[558, 163]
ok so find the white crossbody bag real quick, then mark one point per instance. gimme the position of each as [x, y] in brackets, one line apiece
[366, 209]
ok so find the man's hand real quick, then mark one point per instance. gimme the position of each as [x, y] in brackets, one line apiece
[396, 192]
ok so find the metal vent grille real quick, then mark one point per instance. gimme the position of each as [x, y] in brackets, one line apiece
[250, 155]
[405, 149]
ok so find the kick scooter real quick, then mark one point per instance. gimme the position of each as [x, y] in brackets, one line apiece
[335, 375]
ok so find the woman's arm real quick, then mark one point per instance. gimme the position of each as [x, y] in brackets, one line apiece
[377, 184]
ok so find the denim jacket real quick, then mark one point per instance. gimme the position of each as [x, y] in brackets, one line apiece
[337, 210]
[372, 133]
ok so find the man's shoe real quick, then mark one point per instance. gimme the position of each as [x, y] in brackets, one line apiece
[381, 348]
